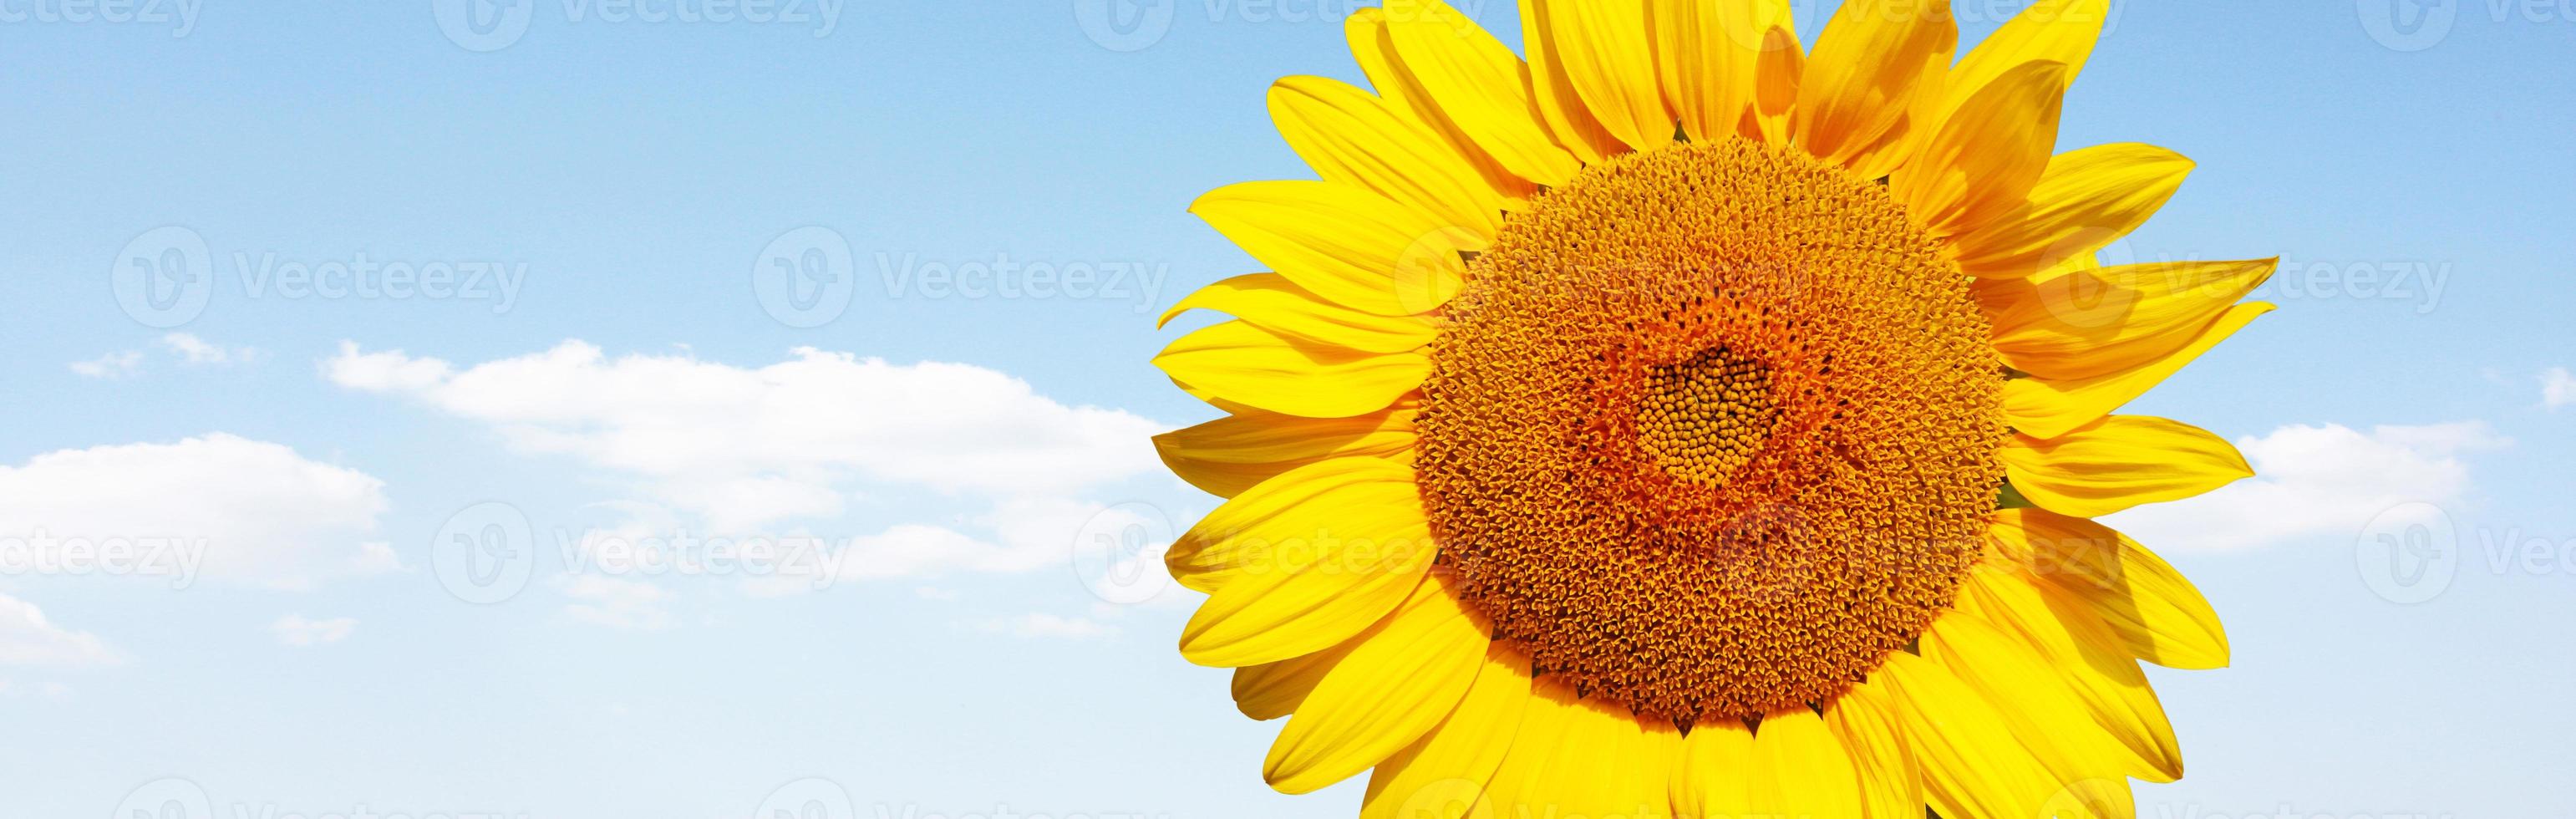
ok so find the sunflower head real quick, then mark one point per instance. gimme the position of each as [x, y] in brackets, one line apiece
[1629, 428]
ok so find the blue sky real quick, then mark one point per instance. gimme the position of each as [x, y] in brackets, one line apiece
[597, 346]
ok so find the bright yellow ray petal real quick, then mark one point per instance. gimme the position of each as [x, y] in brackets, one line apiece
[1407, 673]
[1800, 768]
[2094, 570]
[1561, 109]
[1609, 58]
[1779, 73]
[1229, 455]
[1443, 775]
[1352, 137]
[1581, 759]
[1972, 763]
[1258, 368]
[2094, 662]
[1891, 781]
[1272, 690]
[2061, 31]
[2120, 462]
[2048, 408]
[1714, 774]
[1271, 302]
[2033, 696]
[1475, 83]
[1869, 64]
[2086, 323]
[1303, 562]
[1710, 55]
[2087, 199]
[1983, 162]
[1373, 46]
[1344, 243]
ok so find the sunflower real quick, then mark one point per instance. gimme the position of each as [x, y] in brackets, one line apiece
[1675, 422]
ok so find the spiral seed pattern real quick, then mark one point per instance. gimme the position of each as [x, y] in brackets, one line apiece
[1711, 430]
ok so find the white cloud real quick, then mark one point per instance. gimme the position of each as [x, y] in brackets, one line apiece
[617, 603]
[297, 630]
[1043, 626]
[377, 557]
[2315, 480]
[219, 506]
[27, 638]
[795, 439]
[198, 351]
[2557, 388]
[112, 365]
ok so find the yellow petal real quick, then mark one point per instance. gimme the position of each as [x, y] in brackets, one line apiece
[1352, 137]
[1254, 367]
[2096, 664]
[1560, 106]
[1891, 782]
[1272, 690]
[1800, 768]
[1407, 673]
[1582, 759]
[2048, 408]
[2160, 617]
[1373, 45]
[1344, 243]
[2060, 31]
[1779, 74]
[1229, 455]
[2031, 694]
[1714, 774]
[1271, 302]
[1868, 66]
[1609, 58]
[1972, 763]
[1983, 162]
[1711, 54]
[2120, 462]
[1302, 562]
[2086, 199]
[2087, 323]
[1476, 84]
[1443, 775]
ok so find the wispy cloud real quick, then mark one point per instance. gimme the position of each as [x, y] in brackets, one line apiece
[28, 638]
[2557, 388]
[2318, 479]
[111, 365]
[231, 508]
[749, 446]
[298, 630]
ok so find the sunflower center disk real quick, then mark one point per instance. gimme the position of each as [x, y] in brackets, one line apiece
[1711, 430]
[1702, 418]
